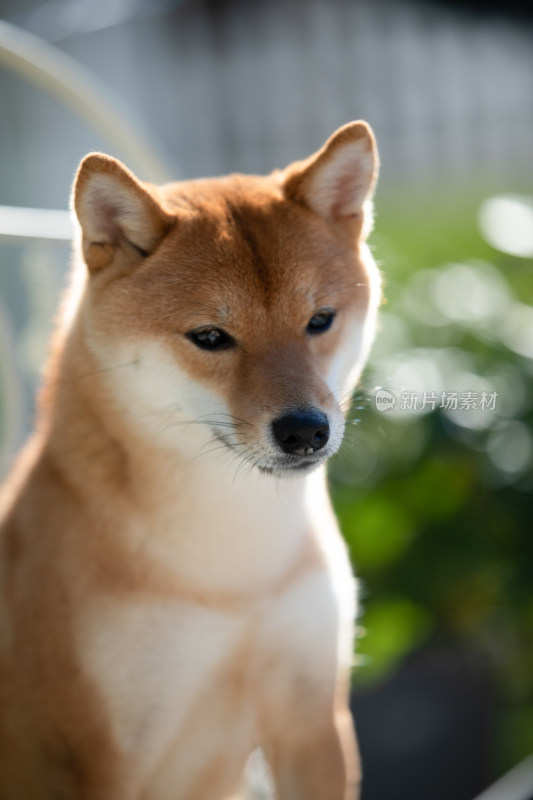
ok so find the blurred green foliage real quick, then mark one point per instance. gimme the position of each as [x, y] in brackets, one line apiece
[437, 508]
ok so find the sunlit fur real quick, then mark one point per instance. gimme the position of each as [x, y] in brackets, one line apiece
[174, 588]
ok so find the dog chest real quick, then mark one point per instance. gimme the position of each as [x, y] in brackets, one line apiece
[176, 675]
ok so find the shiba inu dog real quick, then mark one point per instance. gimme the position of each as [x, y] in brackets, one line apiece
[174, 591]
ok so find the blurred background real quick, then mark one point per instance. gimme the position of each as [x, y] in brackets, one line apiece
[434, 484]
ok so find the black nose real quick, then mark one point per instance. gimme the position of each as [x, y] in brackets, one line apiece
[301, 432]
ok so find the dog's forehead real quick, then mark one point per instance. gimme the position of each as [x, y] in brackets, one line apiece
[241, 236]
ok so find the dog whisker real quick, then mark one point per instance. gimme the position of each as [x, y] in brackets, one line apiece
[99, 371]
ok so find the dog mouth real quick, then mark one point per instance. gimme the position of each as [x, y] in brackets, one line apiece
[283, 469]
[283, 466]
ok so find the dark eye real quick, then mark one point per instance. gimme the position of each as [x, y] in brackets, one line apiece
[321, 321]
[211, 339]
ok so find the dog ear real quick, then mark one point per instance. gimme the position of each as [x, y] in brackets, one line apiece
[116, 212]
[338, 181]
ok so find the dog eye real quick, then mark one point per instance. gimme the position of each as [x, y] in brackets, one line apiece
[211, 339]
[320, 322]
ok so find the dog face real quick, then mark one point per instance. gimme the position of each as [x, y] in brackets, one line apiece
[241, 309]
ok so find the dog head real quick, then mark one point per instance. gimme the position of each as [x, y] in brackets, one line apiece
[241, 308]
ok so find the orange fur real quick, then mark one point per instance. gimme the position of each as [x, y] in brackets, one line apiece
[169, 598]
